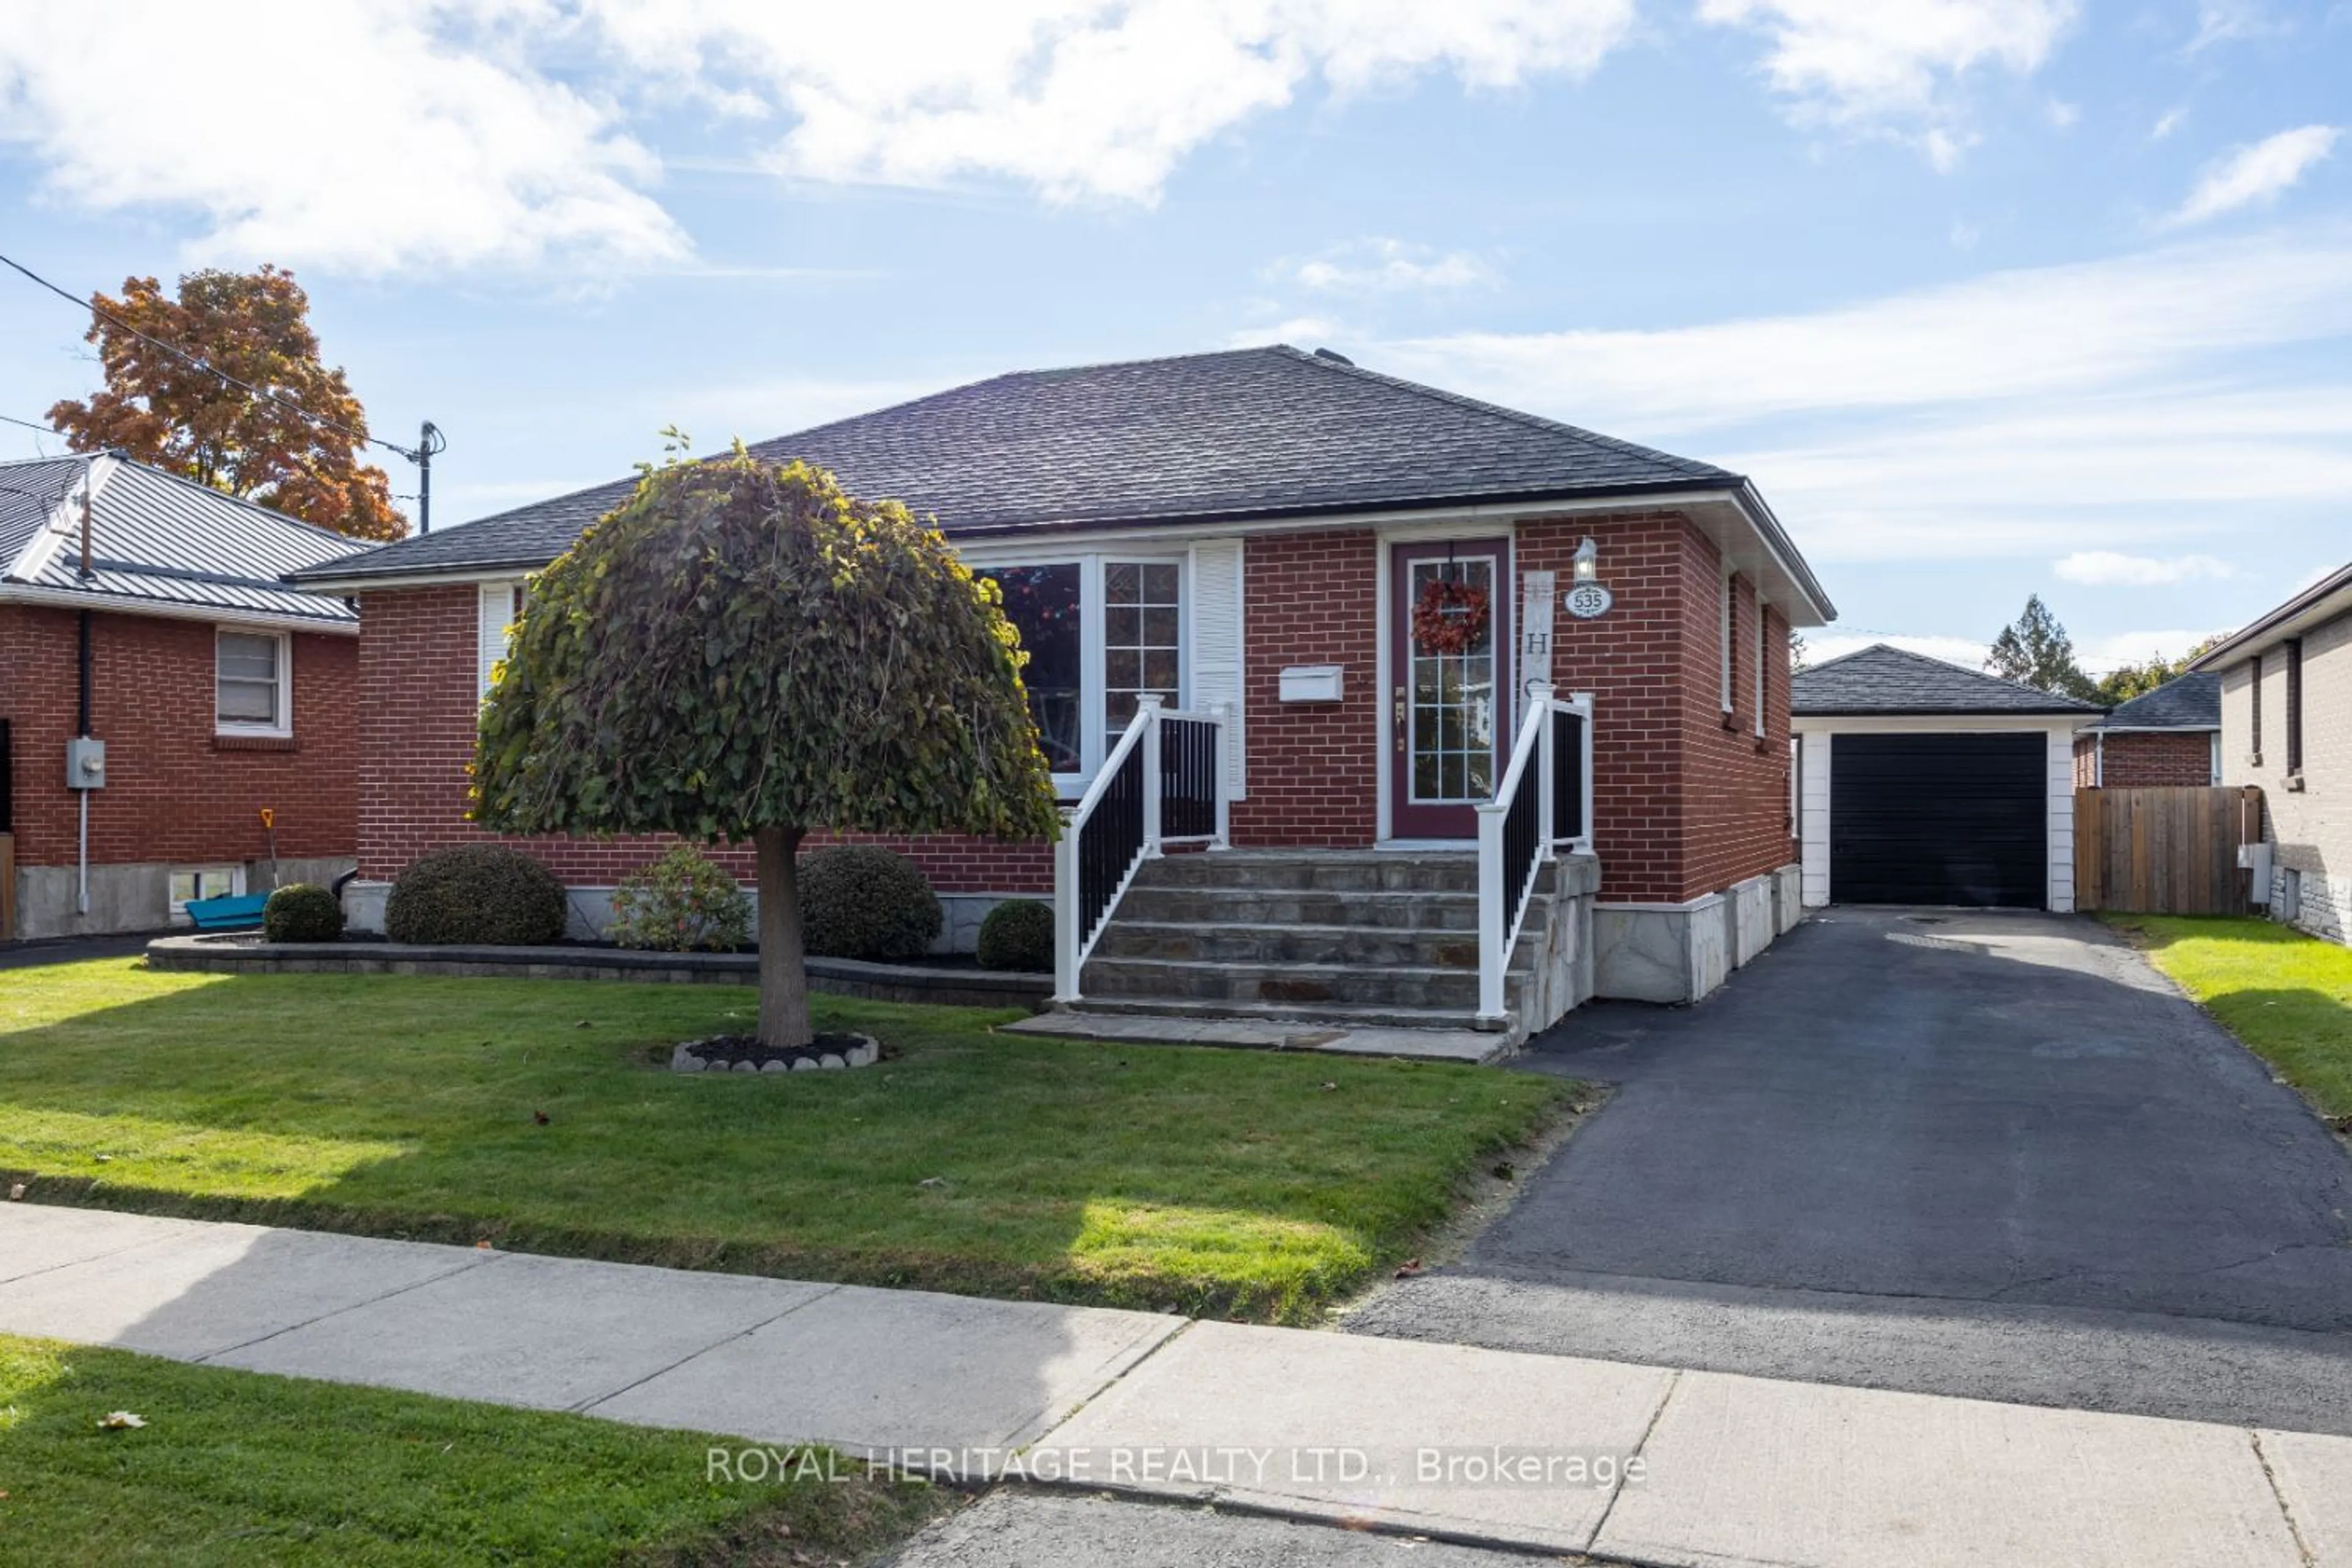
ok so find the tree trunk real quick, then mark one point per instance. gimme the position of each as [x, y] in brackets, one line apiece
[783, 968]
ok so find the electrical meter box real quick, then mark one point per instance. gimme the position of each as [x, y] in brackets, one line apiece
[85, 763]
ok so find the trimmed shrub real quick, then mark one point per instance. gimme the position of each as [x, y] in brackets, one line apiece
[476, 893]
[681, 902]
[1018, 935]
[858, 901]
[303, 912]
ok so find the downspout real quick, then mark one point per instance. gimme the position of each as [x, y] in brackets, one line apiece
[2099, 759]
[81, 866]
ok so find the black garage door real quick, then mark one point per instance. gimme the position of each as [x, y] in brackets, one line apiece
[1940, 819]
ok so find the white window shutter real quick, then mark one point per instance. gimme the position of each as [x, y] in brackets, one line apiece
[1217, 645]
[490, 643]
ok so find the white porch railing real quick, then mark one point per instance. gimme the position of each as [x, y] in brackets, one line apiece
[1542, 804]
[1164, 782]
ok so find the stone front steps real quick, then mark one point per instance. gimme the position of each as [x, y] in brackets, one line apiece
[1366, 939]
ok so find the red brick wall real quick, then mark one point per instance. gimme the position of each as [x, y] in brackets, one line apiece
[2148, 759]
[173, 792]
[1735, 815]
[1314, 767]
[418, 683]
[2087, 766]
[1685, 801]
[1683, 804]
[1631, 659]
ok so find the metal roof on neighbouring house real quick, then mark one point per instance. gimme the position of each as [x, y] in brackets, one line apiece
[2186, 702]
[1244, 434]
[158, 544]
[1893, 681]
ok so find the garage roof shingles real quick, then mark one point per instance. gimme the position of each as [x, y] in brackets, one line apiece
[1252, 432]
[1880, 679]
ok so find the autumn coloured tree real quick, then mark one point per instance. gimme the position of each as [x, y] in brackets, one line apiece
[744, 651]
[161, 409]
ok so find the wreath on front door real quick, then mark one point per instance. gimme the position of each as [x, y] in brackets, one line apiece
[1450, 616]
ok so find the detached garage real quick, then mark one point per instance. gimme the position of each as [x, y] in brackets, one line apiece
[1922, 783]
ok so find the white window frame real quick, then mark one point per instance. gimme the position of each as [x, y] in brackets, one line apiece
[281, 724]
[1723, 636]
[1093, 738]
[232, 874]
[510, 595]
[1762, 669]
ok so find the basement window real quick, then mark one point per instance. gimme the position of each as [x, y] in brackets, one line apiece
[251, 685]
[203, 882]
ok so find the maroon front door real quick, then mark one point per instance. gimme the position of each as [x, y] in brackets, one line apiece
[1449, 712]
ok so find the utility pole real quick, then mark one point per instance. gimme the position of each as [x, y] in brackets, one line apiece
[429, 440]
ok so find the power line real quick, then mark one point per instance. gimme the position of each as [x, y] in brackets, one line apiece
[429, 439]
[44, 429]
[207, 367]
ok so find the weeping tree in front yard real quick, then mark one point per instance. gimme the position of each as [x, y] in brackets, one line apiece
[744, 651]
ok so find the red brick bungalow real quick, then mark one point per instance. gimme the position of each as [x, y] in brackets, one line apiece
[2171, 735]
[1246, 536]
[149, 614]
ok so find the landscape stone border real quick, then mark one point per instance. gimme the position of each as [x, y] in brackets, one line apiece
[245, 953]
[714, 1056]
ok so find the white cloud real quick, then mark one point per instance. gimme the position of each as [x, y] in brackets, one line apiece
[2232, 21]
[2063, 115]
[1894, 65]
[2101, 655]
[370, 136]
[2039, 332]
[2114, 568]
[1968, 652]
[1075, 98]
[1299, 332]
[1382, 266]
[2168, 122]
[2255, 174]
[336, 132]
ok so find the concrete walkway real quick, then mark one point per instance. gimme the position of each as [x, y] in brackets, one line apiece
[1646, 1464]
[1333, 1038]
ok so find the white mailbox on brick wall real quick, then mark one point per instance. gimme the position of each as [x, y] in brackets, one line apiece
[1312, 683]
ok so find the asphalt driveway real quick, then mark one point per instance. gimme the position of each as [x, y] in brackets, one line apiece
[1991, 1155]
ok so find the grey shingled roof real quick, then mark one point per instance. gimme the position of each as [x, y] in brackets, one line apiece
[1249, 433]
[1891, 680]
[2188, 702]
[160, 540]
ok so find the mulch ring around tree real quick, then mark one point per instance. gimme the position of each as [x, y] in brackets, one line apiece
[744, 1053]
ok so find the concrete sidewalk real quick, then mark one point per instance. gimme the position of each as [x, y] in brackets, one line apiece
[1536, 1452]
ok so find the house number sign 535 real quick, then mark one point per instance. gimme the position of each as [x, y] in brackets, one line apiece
[1588, 601]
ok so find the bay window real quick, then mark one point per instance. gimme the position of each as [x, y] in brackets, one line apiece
[1101, 632]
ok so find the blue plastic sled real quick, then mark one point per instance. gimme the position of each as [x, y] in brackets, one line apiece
[228, 914]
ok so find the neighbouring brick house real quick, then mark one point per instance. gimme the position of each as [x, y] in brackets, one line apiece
[2286, 726]
[1246, 535]
[2171, 735]
[214, 690]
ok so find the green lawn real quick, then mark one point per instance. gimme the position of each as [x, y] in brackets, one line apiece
[235, 1468]
[1225, 1182]
[2287, 995]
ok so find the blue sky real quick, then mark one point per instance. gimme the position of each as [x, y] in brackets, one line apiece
[1989, 296]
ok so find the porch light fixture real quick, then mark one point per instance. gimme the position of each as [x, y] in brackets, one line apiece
[1586, 598]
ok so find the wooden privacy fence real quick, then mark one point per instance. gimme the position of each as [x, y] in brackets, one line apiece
[2164, 851]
